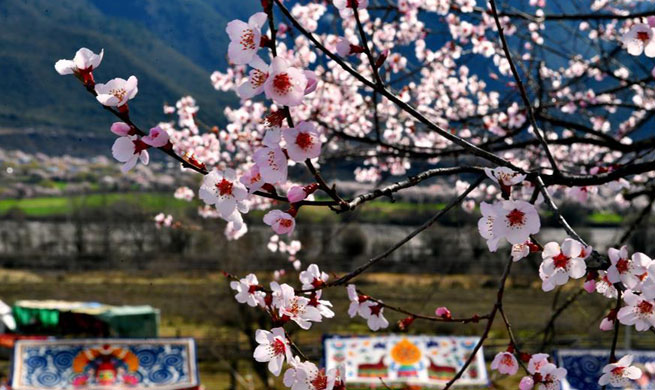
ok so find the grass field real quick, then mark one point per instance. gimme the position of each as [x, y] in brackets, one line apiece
[376, 211]
[201, 306]
[64, 205]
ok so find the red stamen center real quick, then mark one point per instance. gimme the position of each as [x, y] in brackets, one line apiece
[618, 371]
[255, 178]
[304, 140]
[507, 360]
[248, 40]
[643, 36]
[285, 222]
[561, 261]
[139, 146]
[622, 265]
[645, 307]
[278, 347]
[225, 187]
[516, 217]
[282, 83]
[320, 382]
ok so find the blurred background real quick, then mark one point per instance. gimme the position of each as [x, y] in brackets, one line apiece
[72, 227]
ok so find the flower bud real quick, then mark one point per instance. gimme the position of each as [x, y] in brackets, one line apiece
[443, 312]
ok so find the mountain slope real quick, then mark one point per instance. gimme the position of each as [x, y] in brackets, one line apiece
[169, 45]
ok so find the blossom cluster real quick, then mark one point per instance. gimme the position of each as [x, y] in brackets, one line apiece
[296, 109]
[284, 304]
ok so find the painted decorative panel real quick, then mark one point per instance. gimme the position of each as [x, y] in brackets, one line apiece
[414, 360]
[584, 368]
[161, 364]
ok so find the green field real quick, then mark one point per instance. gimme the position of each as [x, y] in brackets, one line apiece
[61, 205]
[378, 211]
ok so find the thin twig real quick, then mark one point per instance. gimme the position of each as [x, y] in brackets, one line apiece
[522, 90]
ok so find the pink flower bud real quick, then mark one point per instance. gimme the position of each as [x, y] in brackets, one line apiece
[121, 129]
[527, 383]
[443, 312]
[282, 30]
[590, 286]
[156, 138]
[651, 21]
[606, 324]
[383, 57]
[343, 47]
[312, 82]
[296, 194]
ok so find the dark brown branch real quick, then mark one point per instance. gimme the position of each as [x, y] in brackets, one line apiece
[367, 49]
[466, 320]
[410, 182]
[487, 329]
[346, 278]
[553, 207]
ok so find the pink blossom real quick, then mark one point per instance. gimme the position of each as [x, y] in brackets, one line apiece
[162, 219]
[626, 270]
[271, 160]
[312, 82]
[486, 225]
[545, 375]
[121, 129]
[184, 193]
[356, 300]
[504, 176]
[313, 277]
[222, 189]
[605, 287]
[527, 383]
[281, 222]
[639, 39]
[235, 228]
[620, 373]
[443, 312]
[256, 79]
[252, 179]
[519, 251]
[590, 285]
[295, 308]
[345, 7]
[561, 263]
[303, 141]
[129, 150]
[285, 85]
[344, 47]
[245, 38]
[248, 291]
[306, 376]
[157, 137]
[505, 363]
[516, 221]
[273, 348]
[607, 323]
[638, 311]
[116, 92]
[296, 194]
[84, 62]
[373, 312]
